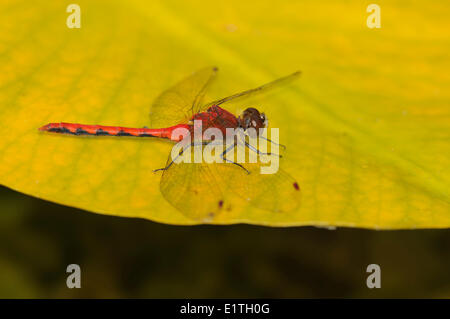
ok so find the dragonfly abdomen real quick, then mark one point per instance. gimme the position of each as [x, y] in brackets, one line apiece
[101, 130]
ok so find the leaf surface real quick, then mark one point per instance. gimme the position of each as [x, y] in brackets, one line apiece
[366, 127]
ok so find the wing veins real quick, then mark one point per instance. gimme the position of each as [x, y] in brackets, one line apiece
[254, 90]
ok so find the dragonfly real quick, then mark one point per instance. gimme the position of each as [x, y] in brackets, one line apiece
[198, 190]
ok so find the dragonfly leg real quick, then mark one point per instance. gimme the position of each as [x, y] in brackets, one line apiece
[264, 138]
[167, 167]
[230, 161]
[181, 153]
[258, 152]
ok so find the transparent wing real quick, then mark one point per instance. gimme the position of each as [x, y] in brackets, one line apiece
[260, 89]
[192, 189]
[273, 192]
[177, 104]
[278, 192]
[199, 190]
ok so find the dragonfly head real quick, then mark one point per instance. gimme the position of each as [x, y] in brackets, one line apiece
[251, 118]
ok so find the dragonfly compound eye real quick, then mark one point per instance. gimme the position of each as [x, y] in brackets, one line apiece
[251, 118]
[264, 119]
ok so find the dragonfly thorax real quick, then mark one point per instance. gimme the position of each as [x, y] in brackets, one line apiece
[251, 118]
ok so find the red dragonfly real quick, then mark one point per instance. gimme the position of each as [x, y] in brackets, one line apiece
[198, 189]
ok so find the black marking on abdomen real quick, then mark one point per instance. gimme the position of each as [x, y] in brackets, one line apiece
[122, 133]
[101, 132]
[80, 131]
[60, 130]
[146, 135]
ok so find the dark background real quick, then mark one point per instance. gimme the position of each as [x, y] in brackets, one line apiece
[122, 257]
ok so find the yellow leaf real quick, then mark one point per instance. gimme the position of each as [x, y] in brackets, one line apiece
[366, 127]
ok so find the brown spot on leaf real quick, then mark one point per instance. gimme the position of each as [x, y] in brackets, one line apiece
[296, 186]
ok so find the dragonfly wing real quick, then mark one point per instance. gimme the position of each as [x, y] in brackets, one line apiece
[199, 190]
[278, 192]
[193, 189]
[275, 191]
[260, 89]
[177, 104]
